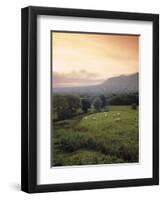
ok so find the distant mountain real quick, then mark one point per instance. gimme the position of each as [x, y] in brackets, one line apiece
[119, 84]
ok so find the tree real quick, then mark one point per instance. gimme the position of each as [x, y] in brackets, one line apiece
[97, 103]
[103, 99]
[85, 105]
[73, 103]
[60, 107]
[124, 99]
[134, 106]
[65, 106]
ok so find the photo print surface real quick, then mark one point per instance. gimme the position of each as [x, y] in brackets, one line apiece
[95, 98]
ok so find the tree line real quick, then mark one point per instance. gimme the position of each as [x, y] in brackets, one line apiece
[67, 106]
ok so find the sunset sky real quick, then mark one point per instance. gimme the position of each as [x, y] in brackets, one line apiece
[89, 59]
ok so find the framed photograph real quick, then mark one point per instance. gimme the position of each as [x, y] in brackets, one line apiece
[90, 99]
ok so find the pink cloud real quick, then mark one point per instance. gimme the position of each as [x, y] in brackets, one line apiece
[74, 78]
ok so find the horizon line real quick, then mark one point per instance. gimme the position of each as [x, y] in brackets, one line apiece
[95, 84]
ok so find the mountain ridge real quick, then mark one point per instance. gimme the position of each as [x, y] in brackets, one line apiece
[118, 84]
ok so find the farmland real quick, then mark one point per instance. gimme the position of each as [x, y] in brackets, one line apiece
[107, 136]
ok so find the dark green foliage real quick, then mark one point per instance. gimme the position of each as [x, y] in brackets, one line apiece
[103, 99]
[61, 107]
[110, 145]
[133, 106]
[85, 105]
[73, 103]
[124, 99]
[97, 103]
[65, 106]
[82, 157]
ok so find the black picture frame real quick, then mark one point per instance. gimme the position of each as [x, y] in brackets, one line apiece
[29, 99]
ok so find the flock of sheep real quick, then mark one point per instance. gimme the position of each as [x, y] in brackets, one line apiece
[115, 115]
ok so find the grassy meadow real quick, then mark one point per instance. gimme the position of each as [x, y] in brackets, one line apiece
[107, 136]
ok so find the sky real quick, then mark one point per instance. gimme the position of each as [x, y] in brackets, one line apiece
[80, 59]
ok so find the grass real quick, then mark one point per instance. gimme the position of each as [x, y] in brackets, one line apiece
[99, 138]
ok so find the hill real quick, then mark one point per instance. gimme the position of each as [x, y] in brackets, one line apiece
[119, 84]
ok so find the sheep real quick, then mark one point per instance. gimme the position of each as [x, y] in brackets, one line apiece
[106, 114]
[94, 118]
[85, 117]
[118, 119]
[118, 114]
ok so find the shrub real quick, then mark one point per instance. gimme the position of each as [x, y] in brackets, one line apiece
[97, 103]
[65, 106]
[85, 105]
[133, 106]
[83, 157]
[103, 99]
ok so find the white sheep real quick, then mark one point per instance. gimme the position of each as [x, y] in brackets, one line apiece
[106, 114]
[94, 118]
[118, 119]
[85, 117]
[118, 114]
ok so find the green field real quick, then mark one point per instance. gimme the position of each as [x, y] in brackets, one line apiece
[99, 138]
